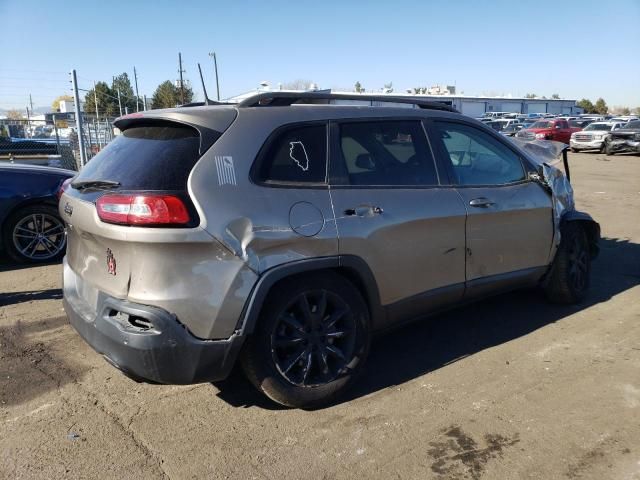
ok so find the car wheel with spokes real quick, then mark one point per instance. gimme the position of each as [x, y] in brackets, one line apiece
[569, 277]
[35, 234]
[311, 340]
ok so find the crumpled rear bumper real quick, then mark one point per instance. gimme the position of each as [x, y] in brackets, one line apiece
[147, 343]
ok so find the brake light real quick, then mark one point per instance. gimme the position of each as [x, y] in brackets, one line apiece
[142, 210]
[63, 187]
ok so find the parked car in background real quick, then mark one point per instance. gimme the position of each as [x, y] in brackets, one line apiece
[30, 225]
[283, 237]
[512, 130]
[624, 118]
[593, 136]
[557, 130]
[579, 123]
[625, 139]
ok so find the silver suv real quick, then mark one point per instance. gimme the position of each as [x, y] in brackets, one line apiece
[284, 230]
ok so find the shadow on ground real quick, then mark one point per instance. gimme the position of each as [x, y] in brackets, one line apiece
[14, 298]
[29, 367]
[431, 343]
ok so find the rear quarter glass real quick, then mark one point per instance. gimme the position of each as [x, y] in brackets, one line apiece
[159, 156]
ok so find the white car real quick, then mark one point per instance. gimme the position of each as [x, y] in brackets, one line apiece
[593, 136]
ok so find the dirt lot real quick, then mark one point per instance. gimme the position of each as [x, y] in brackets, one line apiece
[509, 388]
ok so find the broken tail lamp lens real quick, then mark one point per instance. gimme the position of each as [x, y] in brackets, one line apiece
[142, 210]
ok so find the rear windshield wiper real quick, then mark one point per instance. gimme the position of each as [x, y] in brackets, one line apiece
[95, 184]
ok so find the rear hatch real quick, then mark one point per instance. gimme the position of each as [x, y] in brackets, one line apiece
[130, 203]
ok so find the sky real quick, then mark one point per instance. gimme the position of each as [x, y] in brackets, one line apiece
[576, 48]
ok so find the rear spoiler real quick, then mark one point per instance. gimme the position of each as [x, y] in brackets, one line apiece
[209, 124]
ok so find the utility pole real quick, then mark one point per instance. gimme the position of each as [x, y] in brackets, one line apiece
[181, 71]
[76, 99]
[31, 102]
[135, 77]
[215, 67]
[144, 103]
[119, 102]
[28, 123]
[95, 99]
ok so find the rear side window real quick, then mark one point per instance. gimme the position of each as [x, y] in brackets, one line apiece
[296, 155]
[149, 157]
[387, 153]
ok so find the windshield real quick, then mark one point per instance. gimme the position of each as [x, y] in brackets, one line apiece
[605, 127]
[542, 125]
[633, 124]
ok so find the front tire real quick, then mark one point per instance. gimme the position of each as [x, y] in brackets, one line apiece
[35, 234]
[569, 277]
[608, 149]
[311, 341]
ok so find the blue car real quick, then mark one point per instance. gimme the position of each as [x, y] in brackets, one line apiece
[31, 229]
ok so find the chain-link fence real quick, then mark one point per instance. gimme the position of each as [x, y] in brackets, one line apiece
[53, 141]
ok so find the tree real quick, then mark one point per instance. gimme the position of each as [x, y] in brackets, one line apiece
[127, 96]
[165, 96]
[601, 107]
[107, 102]
[55, 105]
[586, 105]
[358, 87]
[555, 96]
[15, 115]
[530, 95]
[299, 84]
[636, 110]
[626, 111]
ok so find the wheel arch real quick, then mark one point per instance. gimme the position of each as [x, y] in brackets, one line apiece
[353, 268]
[590, 226]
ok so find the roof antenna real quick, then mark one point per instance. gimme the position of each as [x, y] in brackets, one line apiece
[204, 89]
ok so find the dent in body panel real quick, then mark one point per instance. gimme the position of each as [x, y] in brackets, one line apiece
[204, 285]
[514, 233]
[255, 221]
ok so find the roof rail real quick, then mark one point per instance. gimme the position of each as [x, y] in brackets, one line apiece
[285, 99]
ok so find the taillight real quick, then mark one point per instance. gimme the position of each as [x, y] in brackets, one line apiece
[63, 187]
[142, 210]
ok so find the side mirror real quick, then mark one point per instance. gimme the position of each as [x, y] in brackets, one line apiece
[365, 162]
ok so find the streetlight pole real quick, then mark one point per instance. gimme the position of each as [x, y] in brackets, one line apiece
[215, 67]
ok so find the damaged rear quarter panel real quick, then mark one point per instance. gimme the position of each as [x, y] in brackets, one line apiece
[254, 222]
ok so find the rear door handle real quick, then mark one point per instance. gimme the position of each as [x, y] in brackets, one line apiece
[363, 211]
[481, 202]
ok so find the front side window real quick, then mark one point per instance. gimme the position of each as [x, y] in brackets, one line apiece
[387, 153]
[476, 157]
[297, 155]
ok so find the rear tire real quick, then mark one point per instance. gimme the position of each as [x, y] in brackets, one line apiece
[311, 341]
[35, 234]
[569, 277]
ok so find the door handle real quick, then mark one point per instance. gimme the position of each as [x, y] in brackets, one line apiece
[363, 211]
[481, 202]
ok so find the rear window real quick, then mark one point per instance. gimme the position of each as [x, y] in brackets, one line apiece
[542, 125]
[147, 157]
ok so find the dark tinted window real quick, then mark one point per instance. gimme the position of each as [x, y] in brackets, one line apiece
[478, 158]
[298, 155]
[158, 157]
[387, 153]
[633, 124]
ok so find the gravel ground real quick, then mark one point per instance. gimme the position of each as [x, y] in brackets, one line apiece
[508, 388]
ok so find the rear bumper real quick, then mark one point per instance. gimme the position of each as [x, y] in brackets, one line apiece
[148, 343]
[626, 145]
